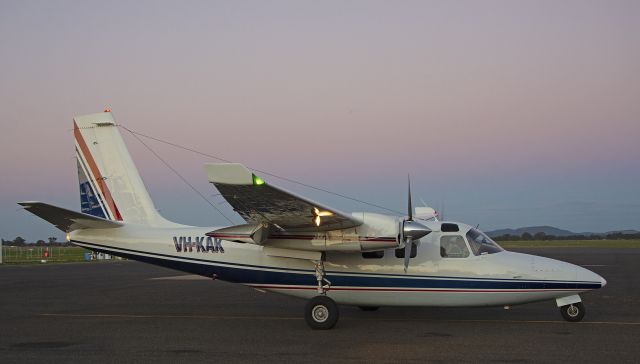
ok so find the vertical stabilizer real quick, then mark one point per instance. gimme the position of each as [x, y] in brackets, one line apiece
[110, 185]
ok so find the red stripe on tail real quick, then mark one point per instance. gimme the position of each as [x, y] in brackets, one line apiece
[102, 185]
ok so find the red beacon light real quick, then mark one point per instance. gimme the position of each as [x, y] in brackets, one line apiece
[106, 109]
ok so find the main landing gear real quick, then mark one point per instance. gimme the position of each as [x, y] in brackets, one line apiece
[573, 312]
[321, 312]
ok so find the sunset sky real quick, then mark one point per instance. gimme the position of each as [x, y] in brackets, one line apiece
[508, 113]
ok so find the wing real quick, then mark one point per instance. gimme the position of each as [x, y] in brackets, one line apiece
[258, 202]
[67, 220]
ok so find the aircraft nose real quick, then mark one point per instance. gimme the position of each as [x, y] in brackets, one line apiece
[567, 271]
[586, 275]
[603, 282]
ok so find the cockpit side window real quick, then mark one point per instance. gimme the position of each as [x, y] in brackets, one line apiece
[481, 244]
[453, 246]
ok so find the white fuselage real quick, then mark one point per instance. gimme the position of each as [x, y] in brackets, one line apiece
[502, 278]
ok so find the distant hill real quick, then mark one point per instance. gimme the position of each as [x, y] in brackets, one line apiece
[550, 230]
[547, 230]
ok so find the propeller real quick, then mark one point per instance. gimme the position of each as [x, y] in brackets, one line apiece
[410, 229]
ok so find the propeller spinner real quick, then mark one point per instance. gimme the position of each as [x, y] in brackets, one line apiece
[411, 230]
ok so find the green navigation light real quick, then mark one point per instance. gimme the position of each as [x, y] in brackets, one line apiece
[257, 181]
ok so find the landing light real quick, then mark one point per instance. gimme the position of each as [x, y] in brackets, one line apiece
[320, 214]
[68, 237]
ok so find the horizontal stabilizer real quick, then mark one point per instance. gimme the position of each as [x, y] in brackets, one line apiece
[67, 220]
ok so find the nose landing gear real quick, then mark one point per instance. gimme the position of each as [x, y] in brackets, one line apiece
[573, 312]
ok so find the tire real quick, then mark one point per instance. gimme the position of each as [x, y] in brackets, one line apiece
[321, 313]
[369, 308]
[573, 313]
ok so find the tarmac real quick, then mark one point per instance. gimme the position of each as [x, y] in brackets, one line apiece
[123, 311]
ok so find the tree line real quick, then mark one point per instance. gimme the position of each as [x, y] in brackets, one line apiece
[543, 236]
[20, 241]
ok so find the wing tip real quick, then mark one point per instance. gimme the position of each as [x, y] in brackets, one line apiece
[231, 174]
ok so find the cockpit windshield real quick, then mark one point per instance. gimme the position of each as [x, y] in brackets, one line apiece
[481, 243]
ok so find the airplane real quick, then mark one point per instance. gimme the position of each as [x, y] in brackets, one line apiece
[295, 246]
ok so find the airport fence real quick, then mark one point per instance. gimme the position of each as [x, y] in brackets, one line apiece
[35, 254]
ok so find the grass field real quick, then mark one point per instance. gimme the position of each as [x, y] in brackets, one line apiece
[26, 255]
[31, 255]
[571, 244]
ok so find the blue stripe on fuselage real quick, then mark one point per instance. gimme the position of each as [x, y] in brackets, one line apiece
[247, 274]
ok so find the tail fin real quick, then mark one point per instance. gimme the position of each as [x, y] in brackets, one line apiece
[110, 185]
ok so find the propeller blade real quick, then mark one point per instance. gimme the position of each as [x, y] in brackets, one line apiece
[409, 204]
[407, 252]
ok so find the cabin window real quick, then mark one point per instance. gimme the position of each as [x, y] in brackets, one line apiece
[373, 255]
[453, 246]
[447, 227]
[414, 251]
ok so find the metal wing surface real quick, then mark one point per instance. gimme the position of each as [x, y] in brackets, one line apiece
[259, 202]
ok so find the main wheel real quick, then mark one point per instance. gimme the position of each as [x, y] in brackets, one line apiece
[573, 312]
[321, 313]
[369, 308]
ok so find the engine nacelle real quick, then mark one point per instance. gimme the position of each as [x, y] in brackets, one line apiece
[378, 232]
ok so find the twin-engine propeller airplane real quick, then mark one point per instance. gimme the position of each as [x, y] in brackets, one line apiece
[294, 246]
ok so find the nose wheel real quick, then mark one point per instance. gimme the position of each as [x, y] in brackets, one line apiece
[573, 312]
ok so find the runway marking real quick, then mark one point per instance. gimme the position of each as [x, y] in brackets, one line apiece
[182, 277]
[547, 322]
[209, 317]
